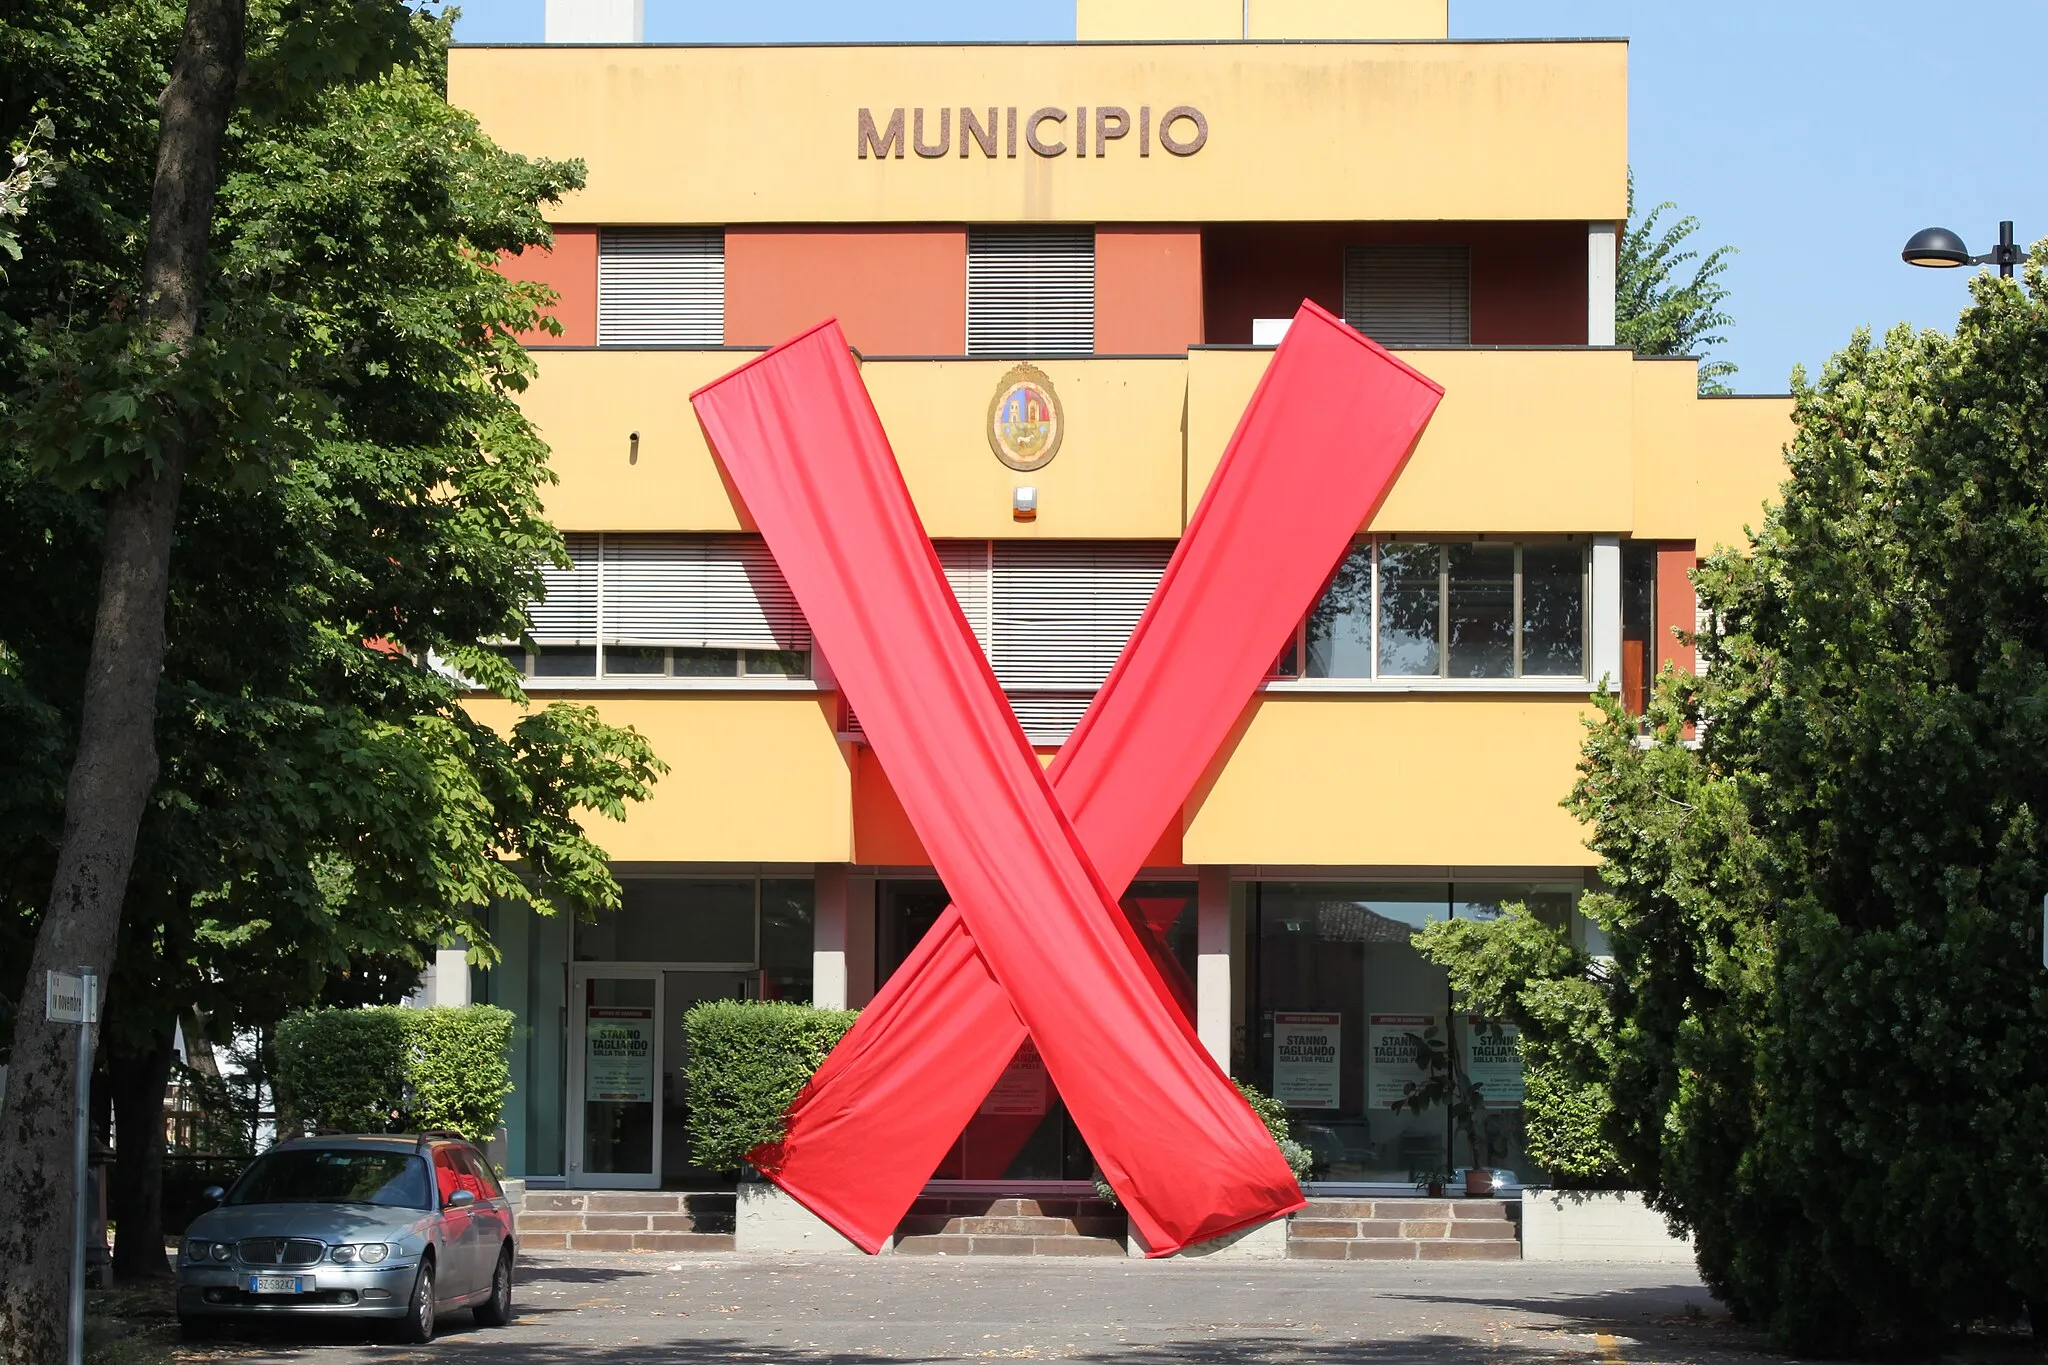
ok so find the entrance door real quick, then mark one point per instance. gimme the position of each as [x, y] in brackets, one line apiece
[679, 991]
[614, 1076]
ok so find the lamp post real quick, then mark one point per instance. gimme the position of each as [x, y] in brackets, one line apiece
[1942, 249]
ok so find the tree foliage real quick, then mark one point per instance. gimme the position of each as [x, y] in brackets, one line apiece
[1832, 1019]
[363, 512]
[1658, 309]
[1522, 971]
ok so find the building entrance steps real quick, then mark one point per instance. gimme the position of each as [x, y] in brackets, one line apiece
[1406, 1230]
[626, 1220]
[981, 1225]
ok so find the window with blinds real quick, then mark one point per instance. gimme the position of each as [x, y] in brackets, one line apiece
[1409, 295]
[1052, 617]
[661, 287]
[1030, 291]
[666, 606]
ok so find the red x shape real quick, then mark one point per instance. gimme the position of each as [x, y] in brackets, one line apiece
[1035, 942]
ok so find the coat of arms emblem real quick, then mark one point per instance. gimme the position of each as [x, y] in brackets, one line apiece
[1025, 423]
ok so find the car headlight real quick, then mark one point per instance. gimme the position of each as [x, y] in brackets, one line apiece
[367, 1252]
[221, 1251]
[196, 1250]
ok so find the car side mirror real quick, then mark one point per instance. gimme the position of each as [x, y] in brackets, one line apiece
[461, 1199]
[213, 1194]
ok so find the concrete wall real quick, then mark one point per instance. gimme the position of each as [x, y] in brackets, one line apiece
[1564, 1225]
[1316, 132]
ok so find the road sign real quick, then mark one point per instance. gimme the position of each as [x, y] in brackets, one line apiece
[73, 999]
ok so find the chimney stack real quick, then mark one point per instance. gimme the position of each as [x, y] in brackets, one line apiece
[597, 21]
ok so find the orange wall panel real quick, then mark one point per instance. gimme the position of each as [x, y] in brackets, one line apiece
[1148, 290]
[570, 269]
[895, 290]
[1676, 606]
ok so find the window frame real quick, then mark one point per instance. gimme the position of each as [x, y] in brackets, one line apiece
[1443, 680]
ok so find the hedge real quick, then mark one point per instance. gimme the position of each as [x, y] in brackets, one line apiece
[748, 1060]
[392, 1069]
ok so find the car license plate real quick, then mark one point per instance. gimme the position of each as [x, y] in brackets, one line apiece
[280, 1284]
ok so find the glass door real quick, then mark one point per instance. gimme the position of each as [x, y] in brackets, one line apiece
[615, 1062]
[679, 991]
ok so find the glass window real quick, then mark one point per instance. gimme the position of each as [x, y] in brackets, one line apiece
[328, 1175]
[788, 913]
[1553, 611]
[1481, 615]
[777, 663]
[674, 920]
[1340, 988]
[514, 655]
[706, 663]
[635, 661]
[1473, 609]
[1410, 617]
[1638, 623]
[1550, 902]
[565, 661]
[1340, 627]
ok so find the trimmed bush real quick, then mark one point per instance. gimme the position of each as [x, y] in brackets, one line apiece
[392, 1069]
[748, 1060]
[341, 1069]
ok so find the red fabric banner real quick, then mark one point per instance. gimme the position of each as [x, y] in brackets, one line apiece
[1319, 445]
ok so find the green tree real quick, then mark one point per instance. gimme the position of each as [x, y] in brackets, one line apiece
[1657, 309]
[1519, 970]
[1832, 1032]
[360, 510]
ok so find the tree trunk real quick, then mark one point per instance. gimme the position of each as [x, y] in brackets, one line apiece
[135, 1196]
[115, 765]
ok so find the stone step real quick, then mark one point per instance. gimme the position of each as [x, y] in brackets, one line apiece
[1401, 1249]
[1349, 1229]
[625, 1241]
[965, 1244]
[1413, 1209]
[557, 1219]
[931, 1224]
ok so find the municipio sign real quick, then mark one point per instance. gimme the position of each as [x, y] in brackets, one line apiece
[72, 999]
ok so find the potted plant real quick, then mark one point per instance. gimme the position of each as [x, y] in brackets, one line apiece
[1432, 1181]
[1446, 1082]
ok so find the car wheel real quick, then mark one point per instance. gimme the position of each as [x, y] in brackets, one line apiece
[496, 1311]
[197, 1329]
[418, 1327]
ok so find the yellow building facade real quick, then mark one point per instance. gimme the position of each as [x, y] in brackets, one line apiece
[1134, 216]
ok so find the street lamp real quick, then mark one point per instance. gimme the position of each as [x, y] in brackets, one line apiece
[1940, 248]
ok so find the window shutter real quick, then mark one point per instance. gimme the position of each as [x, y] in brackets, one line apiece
[1409, 295]
[661, 288]
[966, 563]
[567, 611]
[1062, 612]
[1030, 291]
[700, 592]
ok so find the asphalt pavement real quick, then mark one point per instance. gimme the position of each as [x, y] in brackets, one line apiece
[627, 1309]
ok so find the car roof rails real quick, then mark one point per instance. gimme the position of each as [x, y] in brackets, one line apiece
[443, 1134]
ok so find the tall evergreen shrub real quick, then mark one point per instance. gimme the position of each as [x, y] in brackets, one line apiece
[393, 1069]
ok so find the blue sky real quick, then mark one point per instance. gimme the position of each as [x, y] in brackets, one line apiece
[1814, 135]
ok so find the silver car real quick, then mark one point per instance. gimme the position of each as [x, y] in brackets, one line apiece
[393, 1227]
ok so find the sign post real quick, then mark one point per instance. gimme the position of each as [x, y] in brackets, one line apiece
[74, 998]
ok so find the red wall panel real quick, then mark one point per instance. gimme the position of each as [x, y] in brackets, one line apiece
[895, 291]
[571, 271]
[1676, 606]
[1148, 290]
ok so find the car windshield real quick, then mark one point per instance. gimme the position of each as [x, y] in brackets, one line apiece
[335, 1175]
